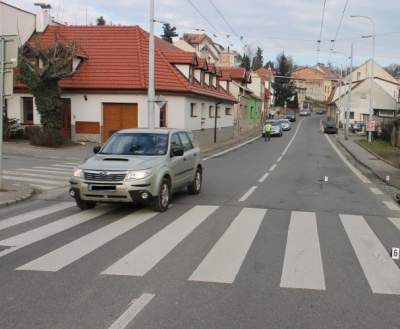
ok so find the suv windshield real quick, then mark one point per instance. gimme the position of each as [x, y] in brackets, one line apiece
[136, 143]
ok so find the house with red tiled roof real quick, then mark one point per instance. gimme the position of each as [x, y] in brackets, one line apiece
[109, 90]
[267, 75]
[248, 111]
[313, 82]
[205, 45]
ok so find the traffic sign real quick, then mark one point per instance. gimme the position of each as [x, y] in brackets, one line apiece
[371, 125]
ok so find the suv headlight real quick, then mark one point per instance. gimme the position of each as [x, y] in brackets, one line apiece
[138, 174]
[77, 172]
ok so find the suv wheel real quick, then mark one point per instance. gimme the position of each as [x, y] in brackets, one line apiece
[85, 205]
[195, 187]
[163, 198]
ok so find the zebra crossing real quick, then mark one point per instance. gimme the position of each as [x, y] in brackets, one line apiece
[302, 264]
[42, 177]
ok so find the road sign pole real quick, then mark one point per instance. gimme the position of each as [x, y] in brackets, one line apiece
[2, 78]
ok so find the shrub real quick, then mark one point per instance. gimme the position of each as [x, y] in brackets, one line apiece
[42, 136]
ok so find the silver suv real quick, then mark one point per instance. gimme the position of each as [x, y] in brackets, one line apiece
[139, 166]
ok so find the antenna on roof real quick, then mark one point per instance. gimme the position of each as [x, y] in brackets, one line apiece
[43, 5]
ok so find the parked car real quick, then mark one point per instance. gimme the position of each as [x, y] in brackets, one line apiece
[290, 115]
[285, 123]
[357, 126]
[321, 111]
[139, 166]
[330, 127]
[305, 112]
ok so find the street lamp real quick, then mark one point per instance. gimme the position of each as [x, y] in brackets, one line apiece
[372, 71]
[345, 56]
[340, 89]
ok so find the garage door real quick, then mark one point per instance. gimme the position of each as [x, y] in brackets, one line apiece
[117, 116]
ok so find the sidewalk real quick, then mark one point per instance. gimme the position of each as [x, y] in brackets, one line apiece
[14, 192]
[382, 169]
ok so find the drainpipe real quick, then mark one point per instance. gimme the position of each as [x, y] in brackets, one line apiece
[240, 110]
[215, 124]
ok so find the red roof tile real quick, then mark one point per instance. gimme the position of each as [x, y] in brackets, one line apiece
[117, 57]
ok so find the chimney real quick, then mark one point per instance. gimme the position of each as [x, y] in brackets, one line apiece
[43, 18]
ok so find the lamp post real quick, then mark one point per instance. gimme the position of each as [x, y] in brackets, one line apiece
[340, 88]
[372, 71]
[346, 75]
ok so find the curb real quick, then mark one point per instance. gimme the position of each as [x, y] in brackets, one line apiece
[15, 200]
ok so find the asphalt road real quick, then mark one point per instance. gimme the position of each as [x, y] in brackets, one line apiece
[285, 234]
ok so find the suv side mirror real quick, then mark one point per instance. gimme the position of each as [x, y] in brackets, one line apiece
[96, 149]
[177, 151]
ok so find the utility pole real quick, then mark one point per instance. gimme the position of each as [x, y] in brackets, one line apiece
[151, 92]
[346, 133]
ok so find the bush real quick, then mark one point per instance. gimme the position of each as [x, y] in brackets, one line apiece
[41, 136]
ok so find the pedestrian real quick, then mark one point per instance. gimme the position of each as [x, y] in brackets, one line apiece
[268, 128]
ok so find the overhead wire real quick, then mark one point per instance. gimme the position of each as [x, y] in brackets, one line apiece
[209, 22]
[337, 31]
[320, 31]
[240, 38]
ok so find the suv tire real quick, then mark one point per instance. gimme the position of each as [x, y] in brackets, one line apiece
[85, 205]
[163, 198]
[195, 187]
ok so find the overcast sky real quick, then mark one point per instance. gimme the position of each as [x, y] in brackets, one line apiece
[307, 30]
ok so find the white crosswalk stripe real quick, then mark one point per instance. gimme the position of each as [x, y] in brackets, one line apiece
[380, 270]
[217, 266]
[302, 263]
[143, 258]
[24, 239]
[42, 177]
[302, 267]
[71, 252]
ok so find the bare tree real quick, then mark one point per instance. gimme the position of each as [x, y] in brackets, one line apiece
[42, 80]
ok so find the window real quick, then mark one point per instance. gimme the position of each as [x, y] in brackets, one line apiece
[175, 141]
[351, 115]
[211, 111]
[191, 75]
[203, 111]
[252, 112]
[228, 111]
[185, 141]
[27, 103]
[193, 109]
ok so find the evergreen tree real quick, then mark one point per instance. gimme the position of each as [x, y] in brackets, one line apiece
[100, 21]
[245, 62]
[284, 88]
[169, 32]
[269, 65]
[258, 60]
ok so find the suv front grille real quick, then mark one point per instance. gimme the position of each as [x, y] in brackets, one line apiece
[105, 176]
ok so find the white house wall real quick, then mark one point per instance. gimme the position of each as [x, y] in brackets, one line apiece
[14, 21]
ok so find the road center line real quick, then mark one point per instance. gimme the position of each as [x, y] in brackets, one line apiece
[248, 193]
[272, 168]
[136, 306]
[263, 178]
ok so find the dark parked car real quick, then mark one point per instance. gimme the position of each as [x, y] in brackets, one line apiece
[330, 128]
[290, 115]
[321, 111]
